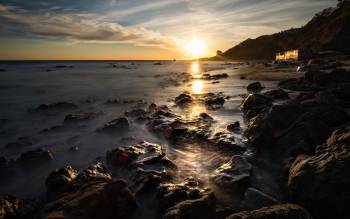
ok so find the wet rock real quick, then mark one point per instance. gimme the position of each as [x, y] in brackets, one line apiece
[56, 106]
[108, 200]
[183, 99]
[204, 207]
[9, 207]
[277, 94]
[116, 126]
[270, 124]
[256, 86]
[254, 104]
[255, 199]
[297, 85]
[139, 155]
[63, 66]
[214, 100]
[285, 211]
[72, 118]
[206, 117]
[320, 182]
[234, 127]
[225, 141]
[34, 157]
[242, 77]
[316, 77]
[214, 77]
[170, 194]
[60, 180]
[234, 175]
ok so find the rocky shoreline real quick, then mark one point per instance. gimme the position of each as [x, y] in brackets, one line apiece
[294, 164]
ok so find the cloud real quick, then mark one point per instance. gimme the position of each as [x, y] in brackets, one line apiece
[84, 27]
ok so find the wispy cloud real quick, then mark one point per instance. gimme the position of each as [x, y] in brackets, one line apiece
[82, 27]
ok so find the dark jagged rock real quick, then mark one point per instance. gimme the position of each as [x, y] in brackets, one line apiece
[143, 153]
[34, 157]
[214, 77]
[254, 87]
[60, 180]
[93, 199]
[234, 175]
[183, 99]
[320, 182]
[5, 166]
[206, 117]
[225, 141]
[9, 207]
[234, 127]
[277, 94]
[56, 106]
[116, 126]
[170, 194]
[204, 207]
[255, 104]
[72, 118]
[214, 100]
[285, 211]
[255, 199]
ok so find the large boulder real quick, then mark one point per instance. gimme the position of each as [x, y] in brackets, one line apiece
[116, 126]
[254, 87]
[9, 207]
[254, 199]
[92, 194]
[321, 182]
[60, 180]
[254, 104]
[34, 157]
[285, 211]
[233, 176]
[204, 208]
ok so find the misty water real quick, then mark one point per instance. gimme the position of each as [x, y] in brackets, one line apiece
[26, 85]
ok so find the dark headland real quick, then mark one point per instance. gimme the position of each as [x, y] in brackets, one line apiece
[295, 162]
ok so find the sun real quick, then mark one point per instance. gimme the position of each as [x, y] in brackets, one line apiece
[195, 47]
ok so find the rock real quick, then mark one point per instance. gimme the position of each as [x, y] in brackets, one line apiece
[256, 86]
[170, 194]
[277, 94]
[320, 182]
[254, 199]
[34, 157]
[317, 77]
[270, 124]
[254, 104]
[242, 77]
[285, 211]
[206, 117]
[94, 200]
[56, 106]
[143, 153]
[214, 100]
[71, 118]
[204, 207]
[9, 207]
[225, 141]
[5, 167]
[234, 127]
[234, 175]
[2, 70]
[115, 126]
[60, 180]
[214, 77]
[183, 99]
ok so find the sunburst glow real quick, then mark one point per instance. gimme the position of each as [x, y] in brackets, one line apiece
[196, 47]
[197, 87]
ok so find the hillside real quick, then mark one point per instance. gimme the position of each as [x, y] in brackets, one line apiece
[328, 30]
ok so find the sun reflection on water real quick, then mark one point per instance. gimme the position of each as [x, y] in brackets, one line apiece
[197, 87]
[195, 69]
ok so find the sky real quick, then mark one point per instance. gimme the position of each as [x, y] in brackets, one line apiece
[140, 29]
